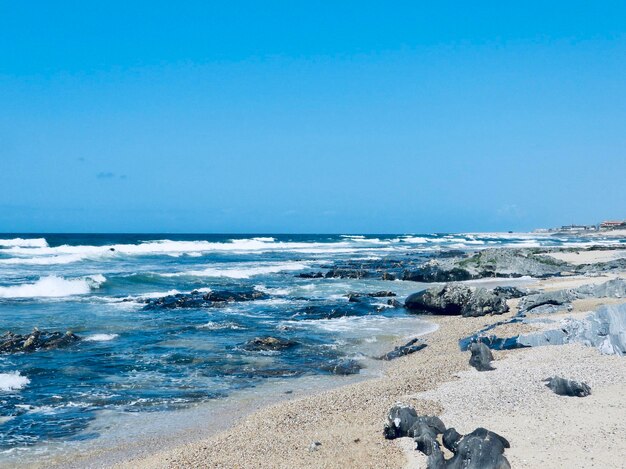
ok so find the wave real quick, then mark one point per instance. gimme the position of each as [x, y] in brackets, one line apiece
[53, 287]
[101, 337]
[241, 271]
[21, 242]
[13, 381]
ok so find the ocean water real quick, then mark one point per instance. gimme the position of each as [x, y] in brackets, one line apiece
[134, 360]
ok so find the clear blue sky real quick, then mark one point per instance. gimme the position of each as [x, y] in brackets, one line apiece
[311, 116]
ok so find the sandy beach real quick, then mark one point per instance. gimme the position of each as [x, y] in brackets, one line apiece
[343, 427]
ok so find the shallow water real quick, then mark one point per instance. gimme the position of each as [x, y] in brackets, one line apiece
[137, 361]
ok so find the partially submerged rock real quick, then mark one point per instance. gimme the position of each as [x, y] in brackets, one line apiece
[481, 357]
[343, 367]
[410, 347]
[197, 299]
[36, 340]
[269, 344]
[567, 387]
[457, 299]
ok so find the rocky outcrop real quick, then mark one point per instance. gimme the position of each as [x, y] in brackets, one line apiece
[36, 340]
[480, 449]
[197, 299]
[410, 347]
[481, 357]
[567, 387]
[269, 344]
[457, 299]
[603, 329]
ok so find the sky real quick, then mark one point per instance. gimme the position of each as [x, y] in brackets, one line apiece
[311, 117]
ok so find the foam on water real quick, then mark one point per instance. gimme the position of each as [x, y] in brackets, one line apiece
[13, 381]
[101, 337]
[242, 272]
[53, 286]
[21, 242]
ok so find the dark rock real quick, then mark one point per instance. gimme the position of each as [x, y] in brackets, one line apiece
[343, 367]
[567, 387]
[381, 294]
[394, 303]
[269, 344]
[410, 347]
[311, 275]
[399, 421]
[449, 299]
[387, 276]
[555, 298]
[480, 449]
[429, 273]
[509, 292]
[197, 299]
[36, 340]
[457, 299]
[481, 357]
[483, 302]
[347, 273]
[451, 439]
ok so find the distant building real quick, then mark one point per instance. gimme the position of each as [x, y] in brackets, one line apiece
[578, 228]
[612, 225]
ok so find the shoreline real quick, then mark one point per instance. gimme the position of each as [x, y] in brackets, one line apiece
[347, 421]
[337, 421]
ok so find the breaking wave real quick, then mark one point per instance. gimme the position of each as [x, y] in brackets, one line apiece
[13, 381]
[53, 287]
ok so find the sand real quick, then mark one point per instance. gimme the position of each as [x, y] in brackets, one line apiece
[545, 430]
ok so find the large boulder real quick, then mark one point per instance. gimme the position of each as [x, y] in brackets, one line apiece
[457, 299]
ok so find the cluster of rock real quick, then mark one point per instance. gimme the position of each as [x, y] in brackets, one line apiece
[480, 449]
[36, 340]
[459, 299]
[197, 299]
[603, 329]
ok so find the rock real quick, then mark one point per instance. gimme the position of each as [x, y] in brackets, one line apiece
[400, 419]
[449, 299]
[37, 340]
[347, 273]
[343, 367]
[410, 347]
[509, 292]
[387, 276]
[483, 302]
[432, 272]
[197, 299]
[567, 387]
[481, 449]
[457, 299]
[269, 344]
[381, 294]
[556, 298]
[311, 275]
[481, 357]
[314, 446]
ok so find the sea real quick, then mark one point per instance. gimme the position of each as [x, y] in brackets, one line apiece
[158, 363]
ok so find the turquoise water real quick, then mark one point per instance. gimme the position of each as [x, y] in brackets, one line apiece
[132, 359]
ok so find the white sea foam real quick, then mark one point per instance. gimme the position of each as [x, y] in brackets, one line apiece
[12, 381]
[243, 270]
[101, 337]
[20, 242]
[53, 286]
